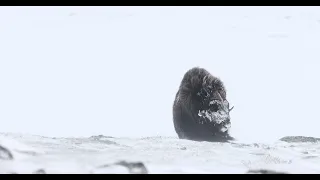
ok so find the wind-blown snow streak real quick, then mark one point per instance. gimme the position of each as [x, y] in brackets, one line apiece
[100, 154]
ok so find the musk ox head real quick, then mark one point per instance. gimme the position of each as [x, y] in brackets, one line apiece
[214, 110]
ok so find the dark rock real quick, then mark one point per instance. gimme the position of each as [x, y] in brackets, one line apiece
[39, 171]
[295, 139]
[265, 171]
[133, 167]
[5, 154]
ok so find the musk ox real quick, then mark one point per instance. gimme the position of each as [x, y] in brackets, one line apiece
[200, 109]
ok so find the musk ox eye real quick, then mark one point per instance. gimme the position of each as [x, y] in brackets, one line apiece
[203, 93]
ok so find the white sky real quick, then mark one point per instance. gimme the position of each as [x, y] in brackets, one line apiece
[82, 71]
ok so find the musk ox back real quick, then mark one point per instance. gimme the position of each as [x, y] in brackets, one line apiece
[200, 109]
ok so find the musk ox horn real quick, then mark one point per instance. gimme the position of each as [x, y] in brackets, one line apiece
[223, 100]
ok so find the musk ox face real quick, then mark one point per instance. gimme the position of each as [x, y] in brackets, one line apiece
[213, 109]
[217, 115]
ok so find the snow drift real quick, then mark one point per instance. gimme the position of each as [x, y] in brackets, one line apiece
[21, 153]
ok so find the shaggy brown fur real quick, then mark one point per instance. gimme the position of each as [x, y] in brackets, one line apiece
[200, 92]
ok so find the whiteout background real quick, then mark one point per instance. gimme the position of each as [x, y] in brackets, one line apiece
[82, 71]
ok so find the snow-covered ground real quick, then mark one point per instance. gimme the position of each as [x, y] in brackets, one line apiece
[100, 154]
